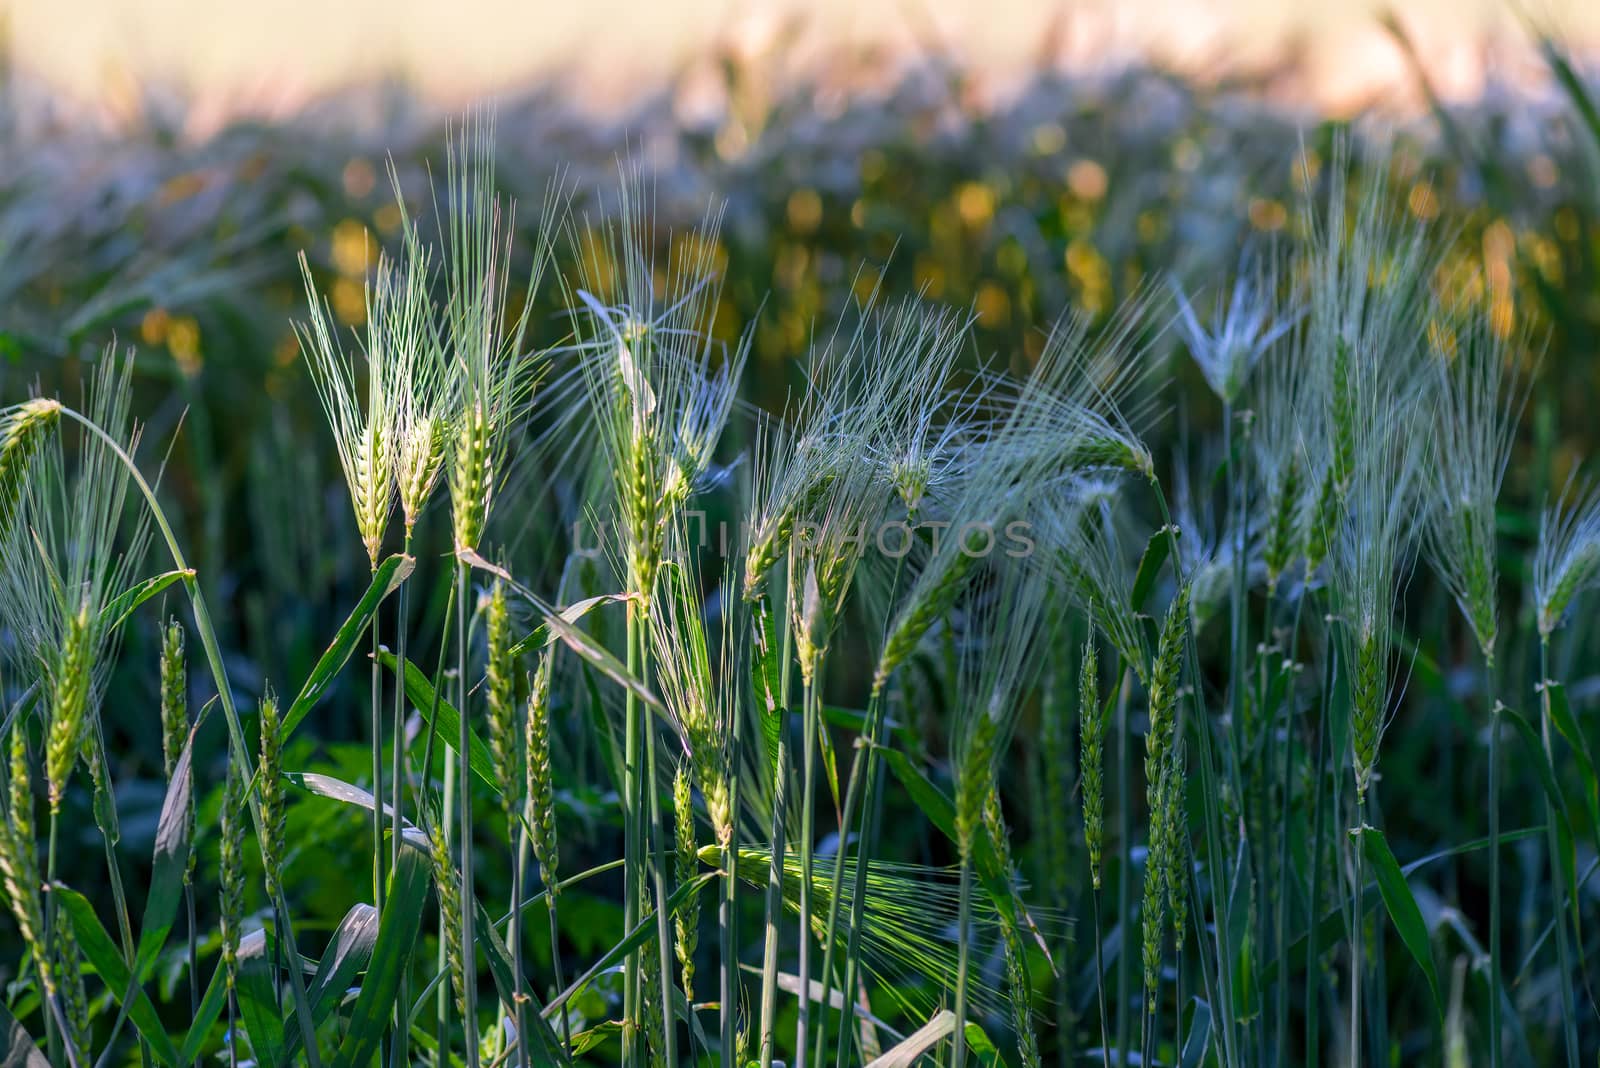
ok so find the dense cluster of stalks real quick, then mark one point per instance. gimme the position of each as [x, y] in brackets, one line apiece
[987, 543]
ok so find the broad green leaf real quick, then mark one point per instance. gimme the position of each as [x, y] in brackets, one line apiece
[905, 1053]
[391, 955]
[107, 960]
[766, 671]
[1402, 906]
[420, 692]
[542, 634]
[592, 1039]
[122, 606]
[385, 580]
[258, 998]
[211, 1006]
[347, 954]
[17, 1049]
[341, 791]
[1330, 929]
[1561, 716]
[982, 1048]
[1155, 554]
[830, 763]
[1194, 1047]
[854, 720]
[498, 954]
[575, 638]
[1565, 853]
[170, 861]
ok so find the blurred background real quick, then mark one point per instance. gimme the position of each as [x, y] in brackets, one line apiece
[162, 164]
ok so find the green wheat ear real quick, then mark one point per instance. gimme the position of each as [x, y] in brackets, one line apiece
[270, 775]
[1092, 757]
[19, 868]
[69, 704]
[1017, 979]
[448, 884]
[1164, 695]
[540, 782]
[685, 864]
[500, 684]
[24, 429]
[235, 818]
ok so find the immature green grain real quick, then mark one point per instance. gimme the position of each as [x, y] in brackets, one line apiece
[1321, 522]
[69, 977]
[449, 887]
[1327, 509]
[1367, 697]
[472, 475]
[270, 791]
[540, 783]
[19, 866]
[1055, 769]
[71, 682]
[923, 608]
[235, 820]
[418, 461]
[973, 778]
[1017, 980]
[500, 687]
[1176, 824]
[23, 432]
[1283, 507]
[655, 1031]
[1151, 916]
[175, 715]
[1092, 757]
[174, 691]
[1164, 695]
[685, 864]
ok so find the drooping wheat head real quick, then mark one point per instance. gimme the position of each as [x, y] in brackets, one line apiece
[24, 431]
[63, 568]
[1083, 405]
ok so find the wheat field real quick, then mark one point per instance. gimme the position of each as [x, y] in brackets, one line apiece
[1201, 679]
